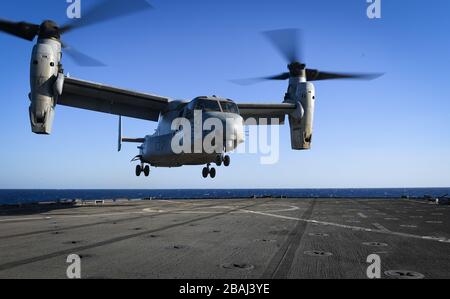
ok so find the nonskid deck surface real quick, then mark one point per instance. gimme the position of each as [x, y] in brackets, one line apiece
[248, 238]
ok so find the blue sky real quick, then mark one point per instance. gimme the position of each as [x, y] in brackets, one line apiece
[392, 132]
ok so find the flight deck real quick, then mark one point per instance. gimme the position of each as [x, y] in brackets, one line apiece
[227, 239]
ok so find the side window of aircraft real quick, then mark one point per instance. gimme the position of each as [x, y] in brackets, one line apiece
[189, 110]
[188, 113]
[229, 107]
[200, 106]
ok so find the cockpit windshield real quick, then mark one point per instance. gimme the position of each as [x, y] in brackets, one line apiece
[229, 107]
[213, 105]
[207, 105]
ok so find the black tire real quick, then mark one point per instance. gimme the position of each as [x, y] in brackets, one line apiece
[205, 172]
[138, 170]
[147, 170]
[219, 161]
[226, 161]
[212, 173]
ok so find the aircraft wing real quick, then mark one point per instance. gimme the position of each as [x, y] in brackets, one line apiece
[101, 98]
[266, 111]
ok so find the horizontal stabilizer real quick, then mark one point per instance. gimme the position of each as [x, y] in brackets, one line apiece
[133, 140]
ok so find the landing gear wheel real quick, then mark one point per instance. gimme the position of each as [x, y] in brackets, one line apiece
[138, 170]
[147, 170]
[226, 161]
[212, 173]
[219, 160]
[205, 172]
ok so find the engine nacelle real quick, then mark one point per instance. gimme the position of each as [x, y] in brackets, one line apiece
[46, 83]
[301, 122]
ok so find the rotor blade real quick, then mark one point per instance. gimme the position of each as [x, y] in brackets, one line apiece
[106, 10]
[251, 81]
[316, 75]
[287, 42]
[19, 29]
[80, 58]
[283, 76]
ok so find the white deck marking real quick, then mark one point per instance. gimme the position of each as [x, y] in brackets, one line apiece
[25, 219]
[221, 208]
[362, 215]
[380, 227]
[100, 215]
[288, 209]
[172, 201]
[421, 202]
[365, 229]
[68, 216]
[150, 210]
[408, 226]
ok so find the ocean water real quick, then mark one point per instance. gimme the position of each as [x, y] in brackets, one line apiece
[30, 196]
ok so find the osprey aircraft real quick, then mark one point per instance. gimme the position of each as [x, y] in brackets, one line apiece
[50, 87]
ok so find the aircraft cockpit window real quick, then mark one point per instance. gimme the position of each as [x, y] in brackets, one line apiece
[229, 107]
[208, 106]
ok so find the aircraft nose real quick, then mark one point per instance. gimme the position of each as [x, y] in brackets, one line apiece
[235, 130]
[232, 130]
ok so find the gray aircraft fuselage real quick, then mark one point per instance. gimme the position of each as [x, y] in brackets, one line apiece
[157, 150]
